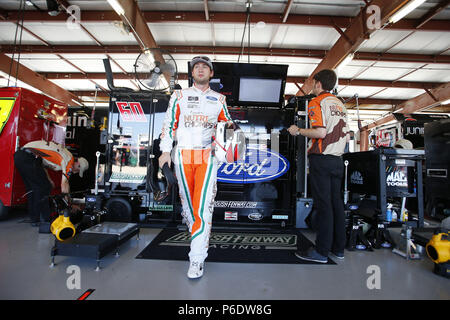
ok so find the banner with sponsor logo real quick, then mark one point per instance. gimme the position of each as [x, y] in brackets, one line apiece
[259, 165]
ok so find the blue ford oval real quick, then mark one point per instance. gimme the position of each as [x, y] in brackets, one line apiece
[257, 166]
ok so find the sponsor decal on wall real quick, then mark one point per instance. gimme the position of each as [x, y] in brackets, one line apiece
[259, 165]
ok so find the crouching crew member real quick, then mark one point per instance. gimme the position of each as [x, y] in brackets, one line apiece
[32, 162]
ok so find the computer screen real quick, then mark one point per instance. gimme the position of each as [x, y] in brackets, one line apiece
[248, 84]
[259, 90]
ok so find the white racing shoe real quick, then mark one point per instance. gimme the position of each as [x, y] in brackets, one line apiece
[195, 270]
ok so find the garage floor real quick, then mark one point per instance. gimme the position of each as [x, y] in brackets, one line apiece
[25, 274]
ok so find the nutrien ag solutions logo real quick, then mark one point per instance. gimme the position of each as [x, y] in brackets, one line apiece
[259, 165]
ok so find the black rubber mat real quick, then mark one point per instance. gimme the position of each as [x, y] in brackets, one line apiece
[232, 246]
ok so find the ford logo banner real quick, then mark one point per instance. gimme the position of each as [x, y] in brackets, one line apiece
[259, 165]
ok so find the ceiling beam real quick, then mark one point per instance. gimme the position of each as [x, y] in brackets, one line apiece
[426, 100]
[289, 79]
[356, 34]
[417, 104]
[363, 101]
[225, 17]
[36, 80]
[257, 51]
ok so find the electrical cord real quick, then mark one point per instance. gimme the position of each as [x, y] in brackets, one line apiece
[247, 21]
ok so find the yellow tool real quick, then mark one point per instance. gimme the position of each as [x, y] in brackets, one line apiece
[438, 248]
[62, 227]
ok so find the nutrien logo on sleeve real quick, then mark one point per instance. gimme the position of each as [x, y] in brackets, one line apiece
[257, 166]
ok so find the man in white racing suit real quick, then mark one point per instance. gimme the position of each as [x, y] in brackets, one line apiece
[191, 118]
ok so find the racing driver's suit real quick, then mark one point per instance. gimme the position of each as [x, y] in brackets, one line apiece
[191, 119]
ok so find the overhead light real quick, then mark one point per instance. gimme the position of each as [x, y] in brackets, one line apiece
[117, 7]
[445, 102]
[410, 6]
[260, 25]
[28, 3]
[346, 61]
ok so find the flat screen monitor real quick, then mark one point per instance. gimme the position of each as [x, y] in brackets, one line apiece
[259, 90]
[248, 84]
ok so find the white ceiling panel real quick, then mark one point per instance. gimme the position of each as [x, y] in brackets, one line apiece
[333, 8]
[195, 34]
[8, 34]
[45, 63]
[315, 38]
[229, 34]
[423, 42]
[300, 69]
[110, 33]
[126, 61]
[59, 33]
[350, 71]
[290, 89]
[398, 65]
[428, 75]
[382, 40]
[399, 93]
[77, 84]
[89, 62]
[383, 73]
[176, 5]
[350, 91]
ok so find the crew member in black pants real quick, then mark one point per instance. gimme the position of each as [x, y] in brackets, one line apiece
[37, 185]
[32, 162]
[329, 136]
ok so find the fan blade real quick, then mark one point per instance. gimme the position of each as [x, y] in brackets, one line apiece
[153, 80]
[166, 67]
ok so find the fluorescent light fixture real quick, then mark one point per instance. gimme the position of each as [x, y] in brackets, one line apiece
[410, 6]
[346, 61]
[117, 7]
[445, 102]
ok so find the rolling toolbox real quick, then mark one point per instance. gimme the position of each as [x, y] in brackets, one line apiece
[96, 242]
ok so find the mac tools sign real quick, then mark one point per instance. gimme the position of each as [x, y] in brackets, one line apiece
[259, 165]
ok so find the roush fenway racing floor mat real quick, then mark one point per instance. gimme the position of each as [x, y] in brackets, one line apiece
[233, 246]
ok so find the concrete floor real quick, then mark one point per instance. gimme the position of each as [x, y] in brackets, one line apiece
[25, 274]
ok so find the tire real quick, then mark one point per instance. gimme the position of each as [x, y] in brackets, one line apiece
[4, 211]
[119, 210]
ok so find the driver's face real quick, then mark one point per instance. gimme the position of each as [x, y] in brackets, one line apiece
[201, 73]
